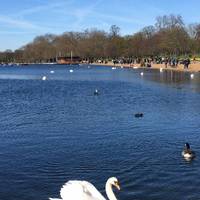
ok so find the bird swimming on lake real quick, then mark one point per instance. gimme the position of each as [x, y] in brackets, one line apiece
[83, 190]
[187, 153]
[138, 115]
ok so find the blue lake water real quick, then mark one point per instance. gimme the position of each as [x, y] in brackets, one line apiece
[56, 130]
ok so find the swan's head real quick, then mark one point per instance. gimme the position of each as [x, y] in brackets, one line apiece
[187, 146]
[113, 181]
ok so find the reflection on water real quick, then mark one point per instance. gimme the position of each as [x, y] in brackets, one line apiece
[179, 80]
[56, 130]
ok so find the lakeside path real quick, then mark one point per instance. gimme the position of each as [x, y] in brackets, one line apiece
[193, 67]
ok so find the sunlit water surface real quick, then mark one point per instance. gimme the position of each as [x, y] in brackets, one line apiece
[56, 130]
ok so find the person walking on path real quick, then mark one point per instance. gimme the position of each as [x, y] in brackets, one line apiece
[166, 62]
[186, 63]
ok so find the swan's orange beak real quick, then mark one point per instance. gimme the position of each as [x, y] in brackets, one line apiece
[117, 185]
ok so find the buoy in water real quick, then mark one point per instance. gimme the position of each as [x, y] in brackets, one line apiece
[96, 92]
[161, 69]
[191, 76]
[142, 73]
[44, 78]
[52, 72]
[71, 70]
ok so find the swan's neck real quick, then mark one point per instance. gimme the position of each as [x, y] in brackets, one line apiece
[109, 192]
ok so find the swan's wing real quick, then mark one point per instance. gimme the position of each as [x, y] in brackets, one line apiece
[54, 199]
[80, 190]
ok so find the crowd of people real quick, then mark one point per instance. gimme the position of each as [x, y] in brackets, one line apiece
[147, 62]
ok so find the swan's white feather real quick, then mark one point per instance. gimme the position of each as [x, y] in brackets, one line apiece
[54, 199]
[80, 190]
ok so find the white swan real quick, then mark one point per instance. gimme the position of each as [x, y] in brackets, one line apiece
[83, 190]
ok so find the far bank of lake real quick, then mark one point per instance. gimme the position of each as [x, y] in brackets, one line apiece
[193, 67]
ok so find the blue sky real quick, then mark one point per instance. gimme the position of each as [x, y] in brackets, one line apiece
[22, 20]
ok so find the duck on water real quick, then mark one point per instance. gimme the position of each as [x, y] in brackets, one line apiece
[139, 115]
[187, 153]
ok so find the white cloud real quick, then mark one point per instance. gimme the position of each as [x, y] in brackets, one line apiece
[116, 18]
[17, 20]
[82, 13]
[40, 8]
[17, 23]
[61, 8]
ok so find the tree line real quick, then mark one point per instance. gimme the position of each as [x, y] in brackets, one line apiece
[169, 36]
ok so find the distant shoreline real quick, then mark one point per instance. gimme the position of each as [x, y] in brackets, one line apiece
[193, 67]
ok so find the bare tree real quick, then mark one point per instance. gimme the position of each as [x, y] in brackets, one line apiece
[169, 21]
[169, 36]
[148, 31]
[114, 31]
